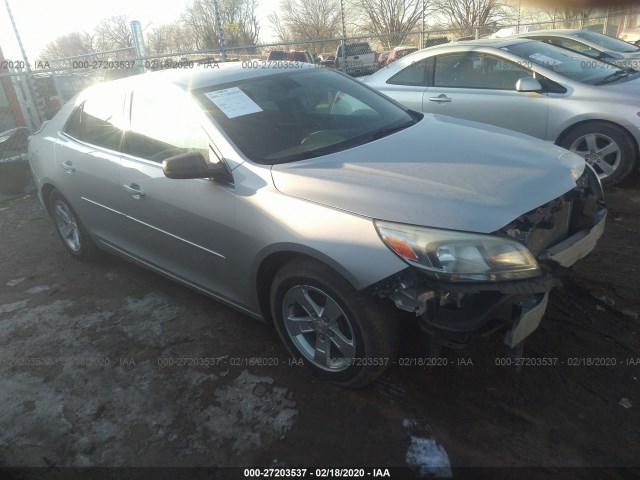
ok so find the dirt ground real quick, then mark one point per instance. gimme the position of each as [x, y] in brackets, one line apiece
[91, 375]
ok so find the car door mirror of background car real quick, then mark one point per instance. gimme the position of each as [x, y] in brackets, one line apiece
[528, 84]
[193, 165]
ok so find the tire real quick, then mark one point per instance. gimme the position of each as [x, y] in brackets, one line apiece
[74, 236]
[362, 340]
[606, 147]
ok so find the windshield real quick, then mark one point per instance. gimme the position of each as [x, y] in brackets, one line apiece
[296, 115]
[567, 63]
[606, 42]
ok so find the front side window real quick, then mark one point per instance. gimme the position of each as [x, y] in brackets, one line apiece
[98, 121]
[163, 124]
[477, 70]
[295, 115]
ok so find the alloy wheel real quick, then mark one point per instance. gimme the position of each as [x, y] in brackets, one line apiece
[319, 328]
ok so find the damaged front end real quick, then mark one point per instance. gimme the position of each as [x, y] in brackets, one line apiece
[476, 285]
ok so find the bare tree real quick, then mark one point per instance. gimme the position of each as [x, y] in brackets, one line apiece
[464, 15]
[385, 17]
[114, 32]
[173, 37]
[278, 26]
[569, 17]
[199, 17]
[72, 44]
[307, 19]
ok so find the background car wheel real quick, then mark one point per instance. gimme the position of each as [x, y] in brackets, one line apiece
[606, 147]
[70, 230]
[340, 334]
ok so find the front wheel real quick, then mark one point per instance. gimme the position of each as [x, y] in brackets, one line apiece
[340, 334]
[606, 147]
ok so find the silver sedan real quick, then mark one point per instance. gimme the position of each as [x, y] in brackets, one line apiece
[585, 105]
[593, 44]
[302, 197]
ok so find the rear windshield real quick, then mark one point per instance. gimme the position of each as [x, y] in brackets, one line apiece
[295, 115]
[276, 55]
[355, 49]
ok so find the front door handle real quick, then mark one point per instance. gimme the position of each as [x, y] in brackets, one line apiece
[134, 190]
[442, 98]
[68, 166]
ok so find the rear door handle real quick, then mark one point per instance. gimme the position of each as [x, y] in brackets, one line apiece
[68, 166]
[442, 98]
[134, 190]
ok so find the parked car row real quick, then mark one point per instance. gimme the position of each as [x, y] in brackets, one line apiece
[314, 202]
[540, 88]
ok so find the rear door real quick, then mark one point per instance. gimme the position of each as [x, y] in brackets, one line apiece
[87, 162]
[183, 227]
[481, 87]
[409, 85]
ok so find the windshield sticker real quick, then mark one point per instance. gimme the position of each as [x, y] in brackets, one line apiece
[233, 102]
[540, 58]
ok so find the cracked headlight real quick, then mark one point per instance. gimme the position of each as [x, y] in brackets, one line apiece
[457, 256]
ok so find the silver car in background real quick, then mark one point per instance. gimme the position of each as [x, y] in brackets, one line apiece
[580, 103]
[593, 44]
[304, 198]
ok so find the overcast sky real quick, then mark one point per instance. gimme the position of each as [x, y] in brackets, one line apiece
[41, 21]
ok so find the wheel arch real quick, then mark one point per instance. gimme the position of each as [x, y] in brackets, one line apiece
[276, 257]
[560, 138]
[45, 193]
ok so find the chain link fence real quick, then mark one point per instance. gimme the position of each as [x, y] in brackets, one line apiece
[30, 96]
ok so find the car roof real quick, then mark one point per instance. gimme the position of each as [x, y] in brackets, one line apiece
[208, 76]
[560, 32]
[482, 42]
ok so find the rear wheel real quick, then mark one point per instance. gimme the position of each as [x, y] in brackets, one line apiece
[340, 334]
[606, 147]
[74, 236]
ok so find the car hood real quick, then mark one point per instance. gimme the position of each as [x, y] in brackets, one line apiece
[442, 172]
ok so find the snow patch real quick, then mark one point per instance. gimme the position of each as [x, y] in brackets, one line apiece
[247, 416]
[12, 307]
[424, 455]
[14, 282]
[38, 289]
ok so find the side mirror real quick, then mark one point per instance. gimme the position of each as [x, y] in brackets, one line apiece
[194, 165]
[528, 84]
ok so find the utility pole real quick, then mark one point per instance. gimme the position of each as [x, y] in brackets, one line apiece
[344, 38]
[138, 43]
[422, 33]
[216, 11]
[29, 77]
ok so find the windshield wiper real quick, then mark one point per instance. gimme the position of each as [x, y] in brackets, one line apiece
[383, 132]
[615, 75]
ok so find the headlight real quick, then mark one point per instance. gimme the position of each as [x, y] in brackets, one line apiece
[457, 256]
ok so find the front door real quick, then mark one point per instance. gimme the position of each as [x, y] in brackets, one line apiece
[481, 87]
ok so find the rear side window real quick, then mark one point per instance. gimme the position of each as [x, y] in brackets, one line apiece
[164, 124]
[416, 74]
[98, 120]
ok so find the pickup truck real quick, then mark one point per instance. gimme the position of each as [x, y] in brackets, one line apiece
[358, 59]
